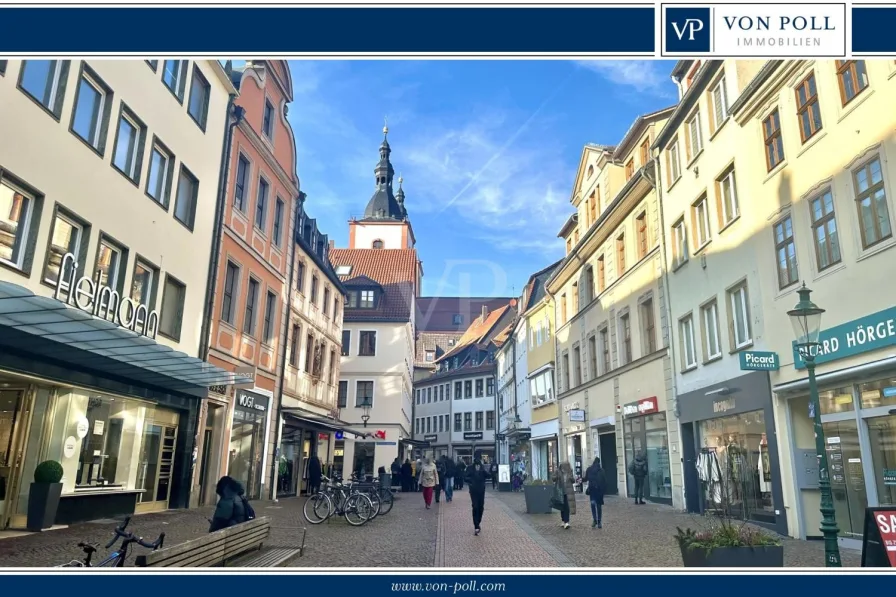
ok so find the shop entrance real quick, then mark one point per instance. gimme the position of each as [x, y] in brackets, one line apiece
[647, 435]
[156, 463]
[608, 460]
[13, 422]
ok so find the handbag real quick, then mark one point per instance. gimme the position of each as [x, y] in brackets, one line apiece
[557, 497]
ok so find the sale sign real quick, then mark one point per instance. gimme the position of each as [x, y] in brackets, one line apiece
[886, 524]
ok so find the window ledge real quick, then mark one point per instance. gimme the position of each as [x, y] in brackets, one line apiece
[729, 224]
[719, 128]
[812, 142]
[679, 265]
[169, 336]
[787, 290]
[693, 159]
[712, 359]
[702, 247]
[745, 346]
[228, 325]
[775, 171]
[855, 103]
[829, 270]
[674, 182]
[689, 369]
[878, 248]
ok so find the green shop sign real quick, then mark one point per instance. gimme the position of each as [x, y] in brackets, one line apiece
[756, 360]
[855, 337]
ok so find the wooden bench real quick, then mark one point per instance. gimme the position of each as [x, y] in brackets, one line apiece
[230, 546]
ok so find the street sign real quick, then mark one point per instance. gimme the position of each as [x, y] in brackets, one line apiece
[577, 414]
[758, 360]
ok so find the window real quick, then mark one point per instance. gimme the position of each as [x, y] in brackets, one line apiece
[457, 319]
[694, 140]
[175, 77]
[490, 386]
[566, 378]
[620, 254]
[430, 356]
[630, 169]
[871, 201]
[251, 302]
[641, 229]
[3, 67]
[480, 388]
[807, 109]
[479, 421]
[458, 393]
[712, 344]
[261, 204]
[645, 152]
[267, 122]
[719, 97]
[231, 283]
[490, 420]
[342, 400]
[269, 315]
[468, 421]
[740, 317]
[700, 214]
[367, 344]
[589, 284]
[367, 299]
[680, 243]
[726, 189]
[648, 327]
[187, 195]
[153, 64]
[44, 81]
[294, 348]
[592, 207]
[15, 220]
[314, 284]
[346, 342]
[129, 145]
[363, 394]
[108, 264]
[785, 252]
[625, 330]
[468, 389]
[240, 182]
[65, 237]
[605, 349]
[824, 230]
[172, 316]
[326, 302]
[688, 348]
[673, 163]
[577, 365]
[200, 92]
[601, 274]
[277, 232]
[852, 78]
[457, 423]
[428, 424]
[568, 246]
[93, 102]
[377, 244]
[575, 297]
[774, 142]
[300, 277]
[592, 357]
[429, 395]
[309, 352]
[417, 425]
[563, 308]
[143, 284]
[161, 172]
[441, 392]
[335, 308]
[441, 420]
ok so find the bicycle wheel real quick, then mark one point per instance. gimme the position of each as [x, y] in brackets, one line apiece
[357, 509]
[375, 502]
[317, 508]
[387, 500]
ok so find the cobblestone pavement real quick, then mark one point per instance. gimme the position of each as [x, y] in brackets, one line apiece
[638, 535]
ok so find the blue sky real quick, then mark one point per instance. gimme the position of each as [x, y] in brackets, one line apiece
[488, 151]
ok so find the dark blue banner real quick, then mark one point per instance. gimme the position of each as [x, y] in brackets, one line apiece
[240, 30]
[872, 30]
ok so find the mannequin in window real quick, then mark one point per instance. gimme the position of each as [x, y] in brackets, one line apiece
[377, 244]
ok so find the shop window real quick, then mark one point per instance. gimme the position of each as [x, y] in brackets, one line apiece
[837, 400]
[878, 393]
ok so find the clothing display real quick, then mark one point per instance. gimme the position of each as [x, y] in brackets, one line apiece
[710, 474]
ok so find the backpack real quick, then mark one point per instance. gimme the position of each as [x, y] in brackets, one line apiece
[250, 511]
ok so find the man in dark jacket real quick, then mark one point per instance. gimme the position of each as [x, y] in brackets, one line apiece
[440, 485]
[406, 475]
[314, 474]
[638, 470]
[395, 469]
[597, 486]
[230, 509]
[476, 478]
[461, 473]
[493, 471]
[450, 481]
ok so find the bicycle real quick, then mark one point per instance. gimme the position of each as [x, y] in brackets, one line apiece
[117, 558]
[382, 497]
[337, 499]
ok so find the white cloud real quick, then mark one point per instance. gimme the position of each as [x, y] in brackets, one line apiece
[645, 76]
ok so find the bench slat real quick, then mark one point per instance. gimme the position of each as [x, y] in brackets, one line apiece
[211, 549]
[269, 558]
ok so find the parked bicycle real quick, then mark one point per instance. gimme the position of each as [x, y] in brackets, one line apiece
[117, 558]
[336, 499]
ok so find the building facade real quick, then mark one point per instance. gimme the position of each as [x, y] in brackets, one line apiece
[130, 141]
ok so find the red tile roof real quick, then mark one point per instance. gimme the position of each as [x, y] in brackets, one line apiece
[436, 313]
[393, 269]
[478, 331]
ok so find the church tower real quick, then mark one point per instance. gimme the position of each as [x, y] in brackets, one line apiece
[385, 224]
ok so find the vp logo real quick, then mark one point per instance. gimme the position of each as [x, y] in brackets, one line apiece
[690, 27]
[687, 29]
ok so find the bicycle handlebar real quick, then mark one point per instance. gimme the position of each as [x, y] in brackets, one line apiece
[119, 532]
[153, 546]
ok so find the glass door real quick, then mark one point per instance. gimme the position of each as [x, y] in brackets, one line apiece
[882, 435]
[847, 476]
[13, 422]
[156, 464]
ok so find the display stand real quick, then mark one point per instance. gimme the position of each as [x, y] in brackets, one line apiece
[879, 538]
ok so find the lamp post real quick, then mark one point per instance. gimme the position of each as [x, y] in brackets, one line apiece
[365, 406]
[806, 320]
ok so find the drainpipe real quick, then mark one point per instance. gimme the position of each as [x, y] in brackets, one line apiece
[284, 337]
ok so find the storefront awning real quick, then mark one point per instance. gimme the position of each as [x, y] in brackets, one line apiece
[319, 422]
[45, 328]
[417, 443]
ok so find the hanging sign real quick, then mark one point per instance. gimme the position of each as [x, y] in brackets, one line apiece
[755, 360]
[102, 301]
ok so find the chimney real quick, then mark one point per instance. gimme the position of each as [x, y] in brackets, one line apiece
[332, 244]
[484, 312]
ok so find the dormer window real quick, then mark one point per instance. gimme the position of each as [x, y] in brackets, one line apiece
[377, 244]
[458, 319]
[368, 299]
[343, 270]
[452, 341]
[430, 356]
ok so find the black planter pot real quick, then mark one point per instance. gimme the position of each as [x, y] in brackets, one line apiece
[771, 556]
[43, 502]
[538, 498]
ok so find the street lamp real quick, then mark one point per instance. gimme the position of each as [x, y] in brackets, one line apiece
[365, 406]
[806, 320]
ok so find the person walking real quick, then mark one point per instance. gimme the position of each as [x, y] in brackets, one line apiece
[638, 470]
[450, 471]
[429, 478]
[565, 479]
[493, 470]
[314, 474]
[597, 486]
[407, 473]
[440, 485]
[461, 473]
[476, 478]
[231, 509]
[415, 474]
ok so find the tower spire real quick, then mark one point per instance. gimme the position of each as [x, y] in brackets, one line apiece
[383, 204]
[399, 197]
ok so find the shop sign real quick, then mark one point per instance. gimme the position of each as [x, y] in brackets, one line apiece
[889, 392]
[430, 438]
[323, 436]
[879, 539]
[645, 406]
[340, 436]
[245, 377]
[473, 435]
[855, 337]
[102, 301]
[576, 414]
[890, 476]
[722, 406]
[756, 360]
[251, 402]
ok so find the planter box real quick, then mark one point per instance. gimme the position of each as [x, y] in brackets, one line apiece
[538, 498]
[43, 503]
[734, 557]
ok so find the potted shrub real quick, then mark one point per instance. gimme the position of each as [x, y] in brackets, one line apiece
[43, 499]
[730, 545]
[538, 496]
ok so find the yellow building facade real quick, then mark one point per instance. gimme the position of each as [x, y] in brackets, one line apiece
[543, 403]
